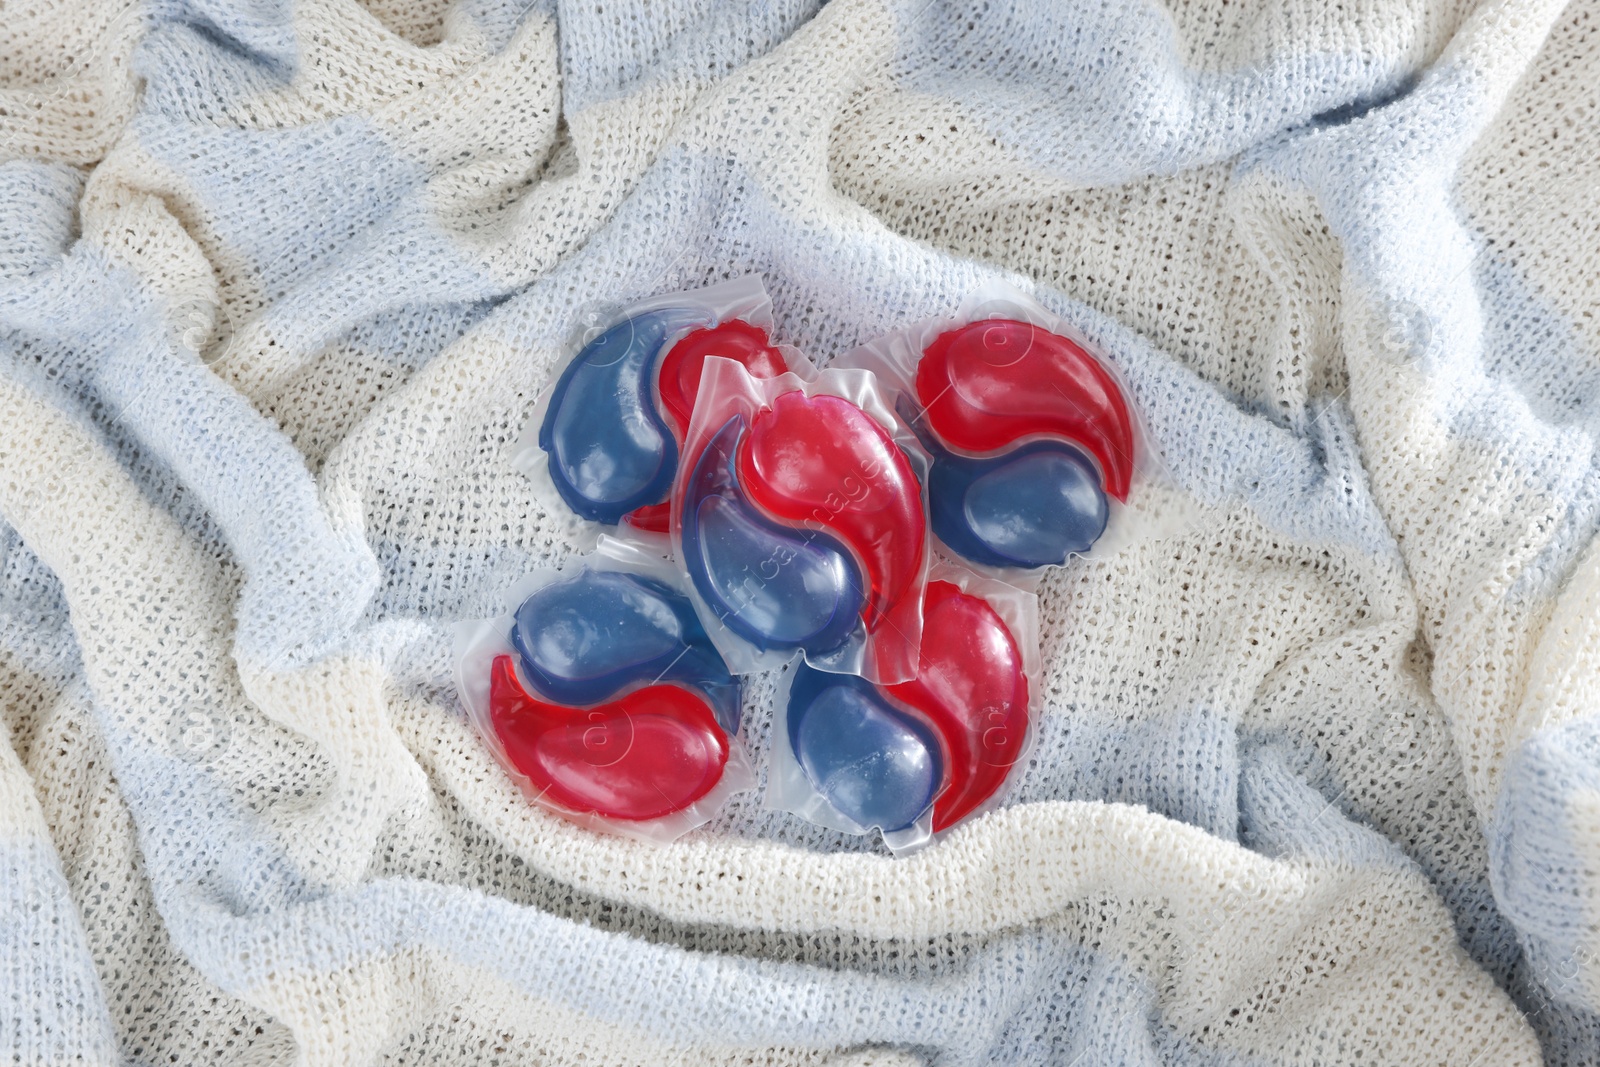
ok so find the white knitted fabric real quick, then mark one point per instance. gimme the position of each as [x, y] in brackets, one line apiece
[1317, 781]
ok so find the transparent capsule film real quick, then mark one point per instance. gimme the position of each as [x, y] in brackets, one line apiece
[916, 759]
[603, 439]
[602, 697]
[799, 518]
[1038, 452]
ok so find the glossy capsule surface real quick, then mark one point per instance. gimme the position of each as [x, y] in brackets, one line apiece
[776, 586]
[619, 410]
[880, 755]
[972, 687]
[678, 384]
[610, 451]
[735, 339]
[614, 702]
[1029, 507]
[821, 460]
[1030, 436]
[644, 755]
[988, 384]
[876, 765]
[804, 524]
[582, 639]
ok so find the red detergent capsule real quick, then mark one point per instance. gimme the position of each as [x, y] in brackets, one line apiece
[971, 686]
[642, 756]
[678, 382]
[679, 379]
[656, 518]
[821, 460]
[991, 383]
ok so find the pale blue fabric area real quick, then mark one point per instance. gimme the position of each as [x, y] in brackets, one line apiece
[1534, 863]
[499, 20]
[204, 837]
[36, 216]
[55, 1006]
[1281, 815]
[1514, 380]
[257, 32]
[701, 40]
[1098, 92]
[1006, 1002]
[108, 353]
[1537, 877]
[369, 249]
[38, 633]
[57, 1012]
[1181, 764]
[1482, 929]
[1531, 348]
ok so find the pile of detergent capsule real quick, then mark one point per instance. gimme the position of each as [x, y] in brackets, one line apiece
[871, 529]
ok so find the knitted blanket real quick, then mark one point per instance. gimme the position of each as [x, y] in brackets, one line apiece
[1317, 778]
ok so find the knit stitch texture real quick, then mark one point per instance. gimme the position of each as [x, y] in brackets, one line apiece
[1317, 778]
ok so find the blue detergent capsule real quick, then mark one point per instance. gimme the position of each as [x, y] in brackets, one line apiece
[610, 452]
[582, 639]
[1026, 508]
[876, 765]
[776, 587]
